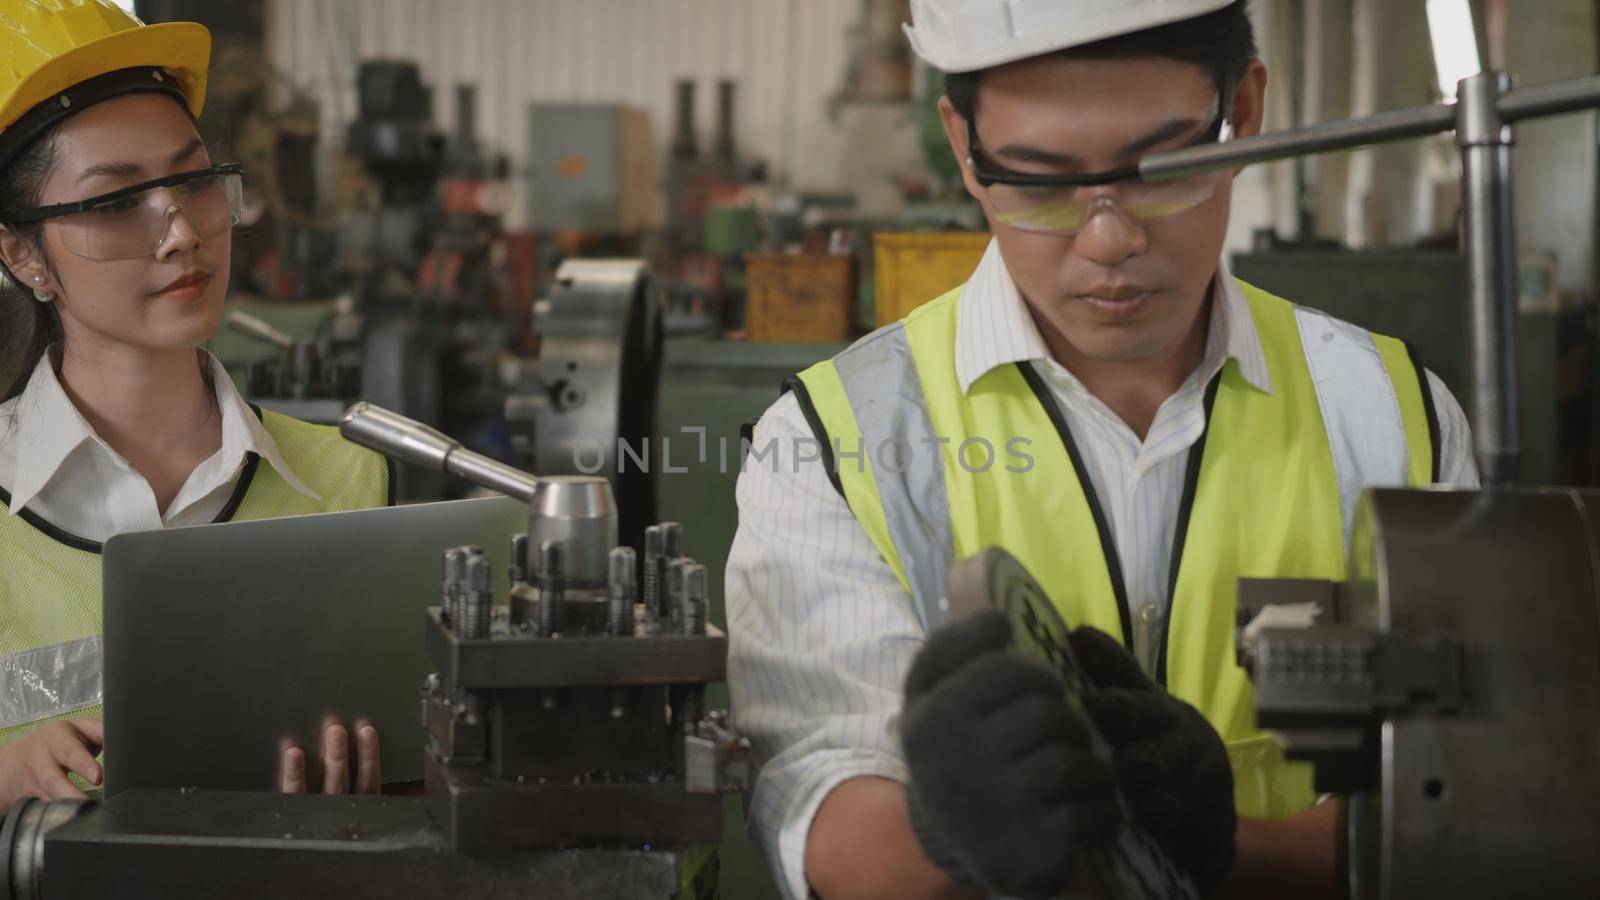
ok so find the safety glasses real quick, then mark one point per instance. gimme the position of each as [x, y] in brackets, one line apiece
[132, 222]
[1056, 204]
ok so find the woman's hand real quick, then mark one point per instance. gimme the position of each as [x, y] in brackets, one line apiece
[37, 765]
[336, 762]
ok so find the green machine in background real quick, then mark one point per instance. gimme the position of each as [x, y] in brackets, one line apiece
[1417, 296]
[719, 386]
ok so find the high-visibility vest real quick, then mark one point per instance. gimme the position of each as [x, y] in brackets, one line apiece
[1270, 489]
[50, 591]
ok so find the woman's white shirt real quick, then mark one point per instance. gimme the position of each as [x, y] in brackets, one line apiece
[54, 465]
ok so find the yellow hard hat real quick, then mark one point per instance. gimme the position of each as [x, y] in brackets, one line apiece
[48, 47]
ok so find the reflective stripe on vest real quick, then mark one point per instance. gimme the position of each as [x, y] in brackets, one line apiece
[50, 591]
[50, 681]
[1270, 490]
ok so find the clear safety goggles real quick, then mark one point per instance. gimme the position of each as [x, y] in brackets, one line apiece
[133, 222]
[1059, 204]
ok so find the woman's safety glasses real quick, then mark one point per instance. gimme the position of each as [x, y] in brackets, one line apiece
[1057, 204]
[132, 222]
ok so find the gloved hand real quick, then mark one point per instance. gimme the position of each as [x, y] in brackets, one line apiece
[1004, 793]
[1171, 764]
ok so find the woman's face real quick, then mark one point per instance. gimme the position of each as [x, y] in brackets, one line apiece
[169, 298]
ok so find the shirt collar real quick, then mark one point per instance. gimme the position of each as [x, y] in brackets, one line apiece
[994, 327]
[50, 430]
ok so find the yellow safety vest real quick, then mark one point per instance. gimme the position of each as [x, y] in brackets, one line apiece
[1270, 489]
[50, 580]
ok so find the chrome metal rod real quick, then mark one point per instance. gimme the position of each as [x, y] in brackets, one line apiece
[411, 441]
[1344, 134]
[1550, 99]
[247, 324]
[1485, 141]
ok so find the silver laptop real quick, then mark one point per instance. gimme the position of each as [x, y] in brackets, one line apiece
[224, 641]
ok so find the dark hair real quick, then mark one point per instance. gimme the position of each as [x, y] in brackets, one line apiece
[1221, 42]
[27, 327]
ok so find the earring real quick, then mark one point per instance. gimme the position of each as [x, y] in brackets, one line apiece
[43, 296]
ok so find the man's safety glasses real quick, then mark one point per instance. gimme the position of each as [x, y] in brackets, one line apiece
[1055, 204]
[132, 222]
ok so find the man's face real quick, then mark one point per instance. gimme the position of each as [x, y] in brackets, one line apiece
[1119, 289]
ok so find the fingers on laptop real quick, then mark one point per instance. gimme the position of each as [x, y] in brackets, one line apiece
[93, 732]
[335, 759]
[294, 772]
[44, 759]
[369, 775]
[336, 762]
[67, 747]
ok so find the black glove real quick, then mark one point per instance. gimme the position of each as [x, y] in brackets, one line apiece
[1004, 791]
[1171, 764]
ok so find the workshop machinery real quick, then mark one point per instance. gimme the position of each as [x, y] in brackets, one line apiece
[427, 306]
[1450, 686]
[586, 403]
[570, 752]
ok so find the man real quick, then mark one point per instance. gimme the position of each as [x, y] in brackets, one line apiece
[1103, 400]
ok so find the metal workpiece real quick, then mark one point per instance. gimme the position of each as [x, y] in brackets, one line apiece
[671, 540]
[552, 585]
[651, 576]
[1453, 689]
[692, 603]
[580, 513]
[478, 598]
[410, 441]
[455, 577]
[672, 595]
[519, 575]
[623, 591]
[671, 549]
[716, 758]
[1485, 141]
[517, 569]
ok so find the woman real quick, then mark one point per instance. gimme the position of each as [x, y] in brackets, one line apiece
[114, 238]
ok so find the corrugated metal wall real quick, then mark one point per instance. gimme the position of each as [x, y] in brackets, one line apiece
[788, 56]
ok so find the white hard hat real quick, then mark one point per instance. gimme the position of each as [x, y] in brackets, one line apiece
[967, 35]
